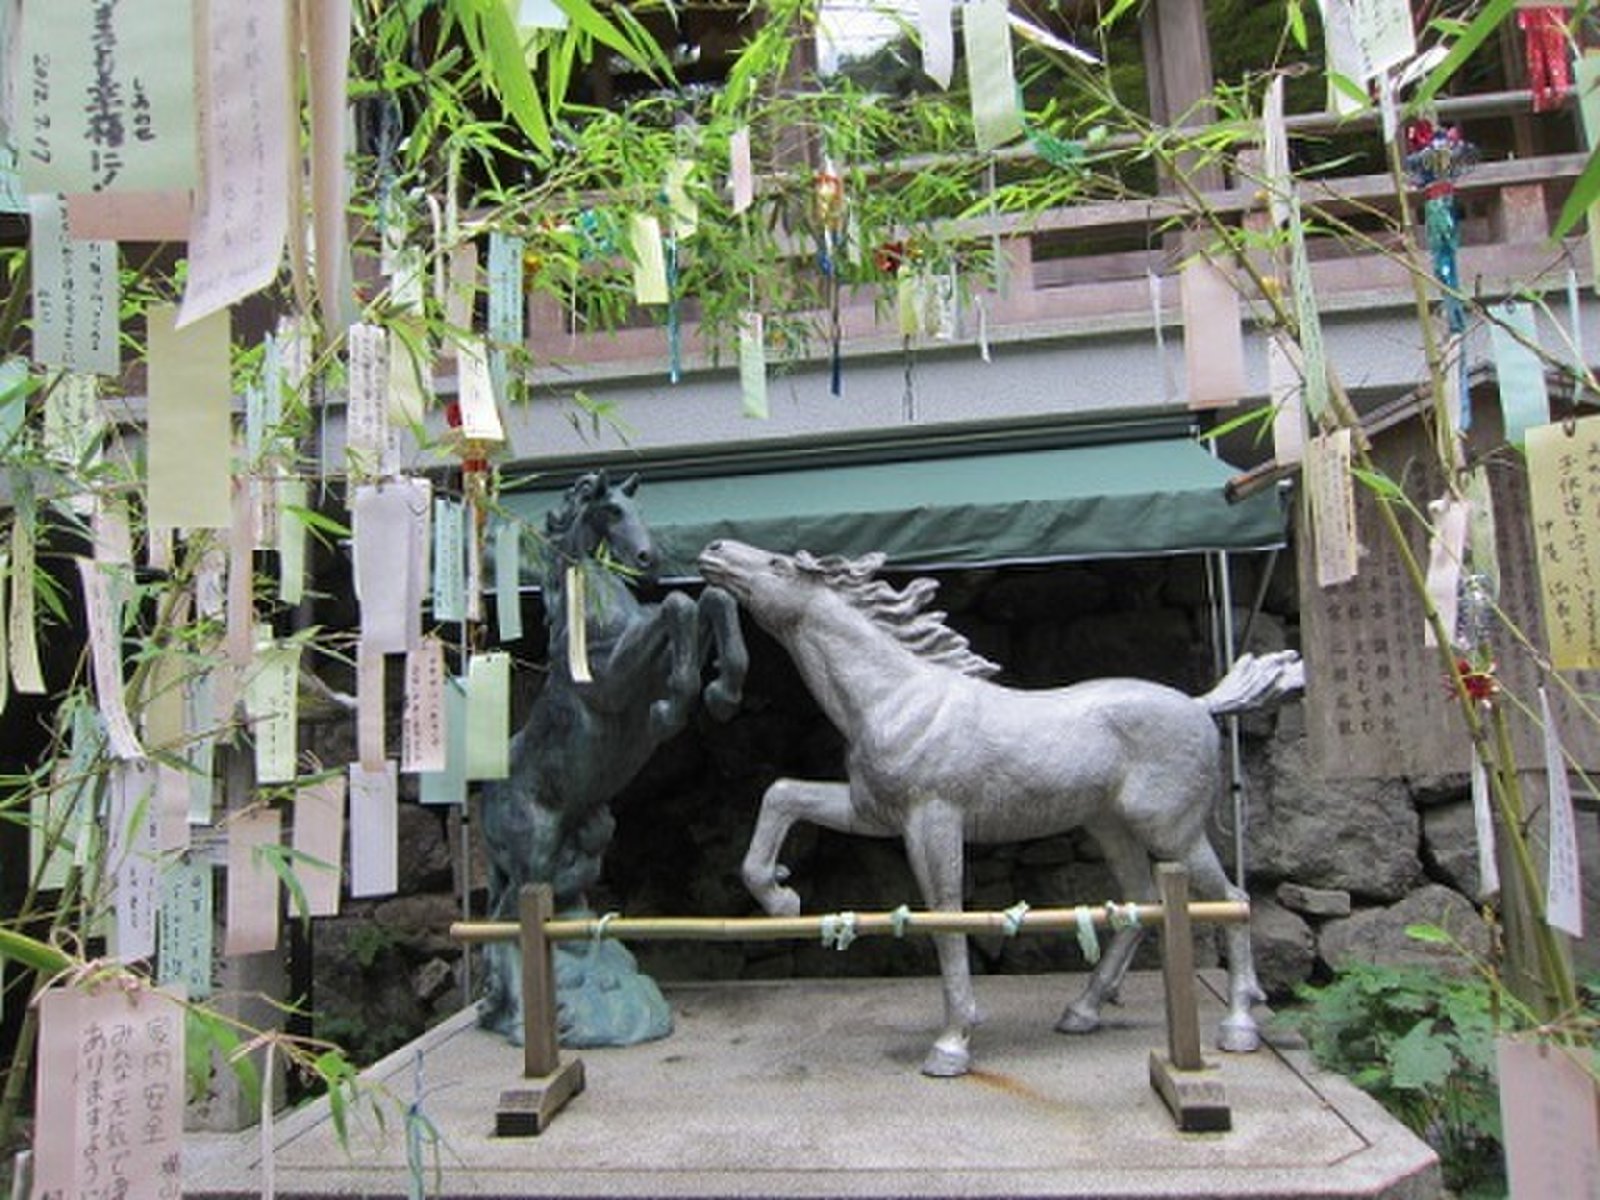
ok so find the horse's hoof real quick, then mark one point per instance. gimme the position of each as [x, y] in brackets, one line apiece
[946, 1061]
[1238, 1035]
[1074, 1021]
[781, 902]
[722, 702]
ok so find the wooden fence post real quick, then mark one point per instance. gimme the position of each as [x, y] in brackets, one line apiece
[529, 1109]
[1198, 1103]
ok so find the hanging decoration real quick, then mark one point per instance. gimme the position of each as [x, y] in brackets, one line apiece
[1544, 35]
[1439, 156]
[828, 216]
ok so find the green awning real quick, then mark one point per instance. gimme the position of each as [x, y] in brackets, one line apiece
[1030, 506]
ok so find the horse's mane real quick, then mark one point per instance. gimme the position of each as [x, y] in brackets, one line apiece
[585, 491]
[902, 614]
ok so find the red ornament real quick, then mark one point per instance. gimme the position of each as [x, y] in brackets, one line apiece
[1478, 682]
[889, 256]
[1544, 32]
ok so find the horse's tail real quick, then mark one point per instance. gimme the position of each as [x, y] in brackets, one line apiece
[1254, 682]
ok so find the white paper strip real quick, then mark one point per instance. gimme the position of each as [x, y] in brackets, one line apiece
[390, 530]
[1276, 175]
[1447, 544]
[105, 644]
[1333, 507]
[1285, 389]
[22, 640]
[133, 818]
[374, 831]
[370, 749]
[1483, 824]
[271, 700]
[1564, 894]
[319, 843]
[367, 436]
[241, 215]
[991, 73]
[480, 413]
[741, 171]
[76, 293]
[938, 40]
[1213, 342]
[423, 738]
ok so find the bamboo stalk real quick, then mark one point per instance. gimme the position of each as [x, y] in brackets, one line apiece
[766, 929]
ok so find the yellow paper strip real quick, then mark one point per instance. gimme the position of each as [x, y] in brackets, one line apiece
[1564, 485]
[577, 626]
[190, 447]
[103, 615]
[649, 260]
[1333, 507]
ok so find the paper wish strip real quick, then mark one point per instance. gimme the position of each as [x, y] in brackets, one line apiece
[449, 560]
[76, 293]
[252, 883]
[1213, 343]
[991, 74]
[328, 51]
[110, 1089]
[1564, 889]
[319, 843]
[242, 215]
[1524, 398]
[508, 580]
[423, 737]
[374, 831]
[741, 171]
[489, 716]
[188, 913]
[271, 697]
[1333, 507]
[1564, 486]
[110, 98]
[753, 366]
[190, 424]
[133, 818]
[1550, 1109]
[22, 637]
[369, 451]
[390, 527]
[480, 412]
[104, 619]
[449, 785]
[938, 40]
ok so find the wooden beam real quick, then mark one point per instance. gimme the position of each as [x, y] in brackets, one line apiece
[527, 1110]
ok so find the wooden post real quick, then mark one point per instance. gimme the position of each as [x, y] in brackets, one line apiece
[1198, 1103]
[528, 1110]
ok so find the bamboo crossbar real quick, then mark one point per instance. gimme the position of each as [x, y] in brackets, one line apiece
[764, 929]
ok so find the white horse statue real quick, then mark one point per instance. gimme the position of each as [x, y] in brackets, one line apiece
[940, 756]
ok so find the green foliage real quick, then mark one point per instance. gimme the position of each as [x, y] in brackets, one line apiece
[1423, 1045]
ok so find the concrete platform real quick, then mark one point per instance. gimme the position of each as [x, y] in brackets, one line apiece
[811, 1089]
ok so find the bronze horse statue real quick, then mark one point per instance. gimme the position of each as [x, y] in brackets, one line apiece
[590, 731]
[939, 756]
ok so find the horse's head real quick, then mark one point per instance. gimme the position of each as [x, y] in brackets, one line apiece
[777, 589]
[602, 519]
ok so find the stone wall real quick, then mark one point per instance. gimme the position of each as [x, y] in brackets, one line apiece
[1337, 868]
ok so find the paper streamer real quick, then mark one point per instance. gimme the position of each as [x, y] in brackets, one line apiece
[1524, 399]
[741, 171]
[110, 1090]
[1564, 892]
[480, 413]
[241, 216]
[252, 899]
[76, 293]
[1277, 178]
[291, 540]
[1563, 478]
[190, 436]
[424, 741]
[1308, 319]
[938, 40]
[188, 909]
[489, 716]
[1286, 390]
[1483, 824]
[577, 625]
[133, 831]
[991, 74]
[1213, 342]
[368, 449]
[271, 699]
[318, 841]
[753, 366]
[23, 638]
[508, 580]
[1447, 542]
[374, 831]
[328, 52]
[370, 709]
[109, 102]
[1550, 1111]
[1333, 507]
[449, 786]
[390, 535]
[649, 260]
[449, 560]
[105, 645]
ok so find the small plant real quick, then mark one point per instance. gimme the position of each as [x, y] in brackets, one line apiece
[1423, 1045]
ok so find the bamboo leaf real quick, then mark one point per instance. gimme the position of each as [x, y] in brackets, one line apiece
[507, 67]
[1585, 193]
[1475, 34]
[30, 952]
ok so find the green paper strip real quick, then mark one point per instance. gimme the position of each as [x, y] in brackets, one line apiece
[991, 75]
[753, 366]
[489, 716]
[1524, 399]
[508, 580]
[449, 786]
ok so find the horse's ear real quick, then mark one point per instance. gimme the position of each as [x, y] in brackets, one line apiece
[584, 486]
[630, 485]
[601, 482]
